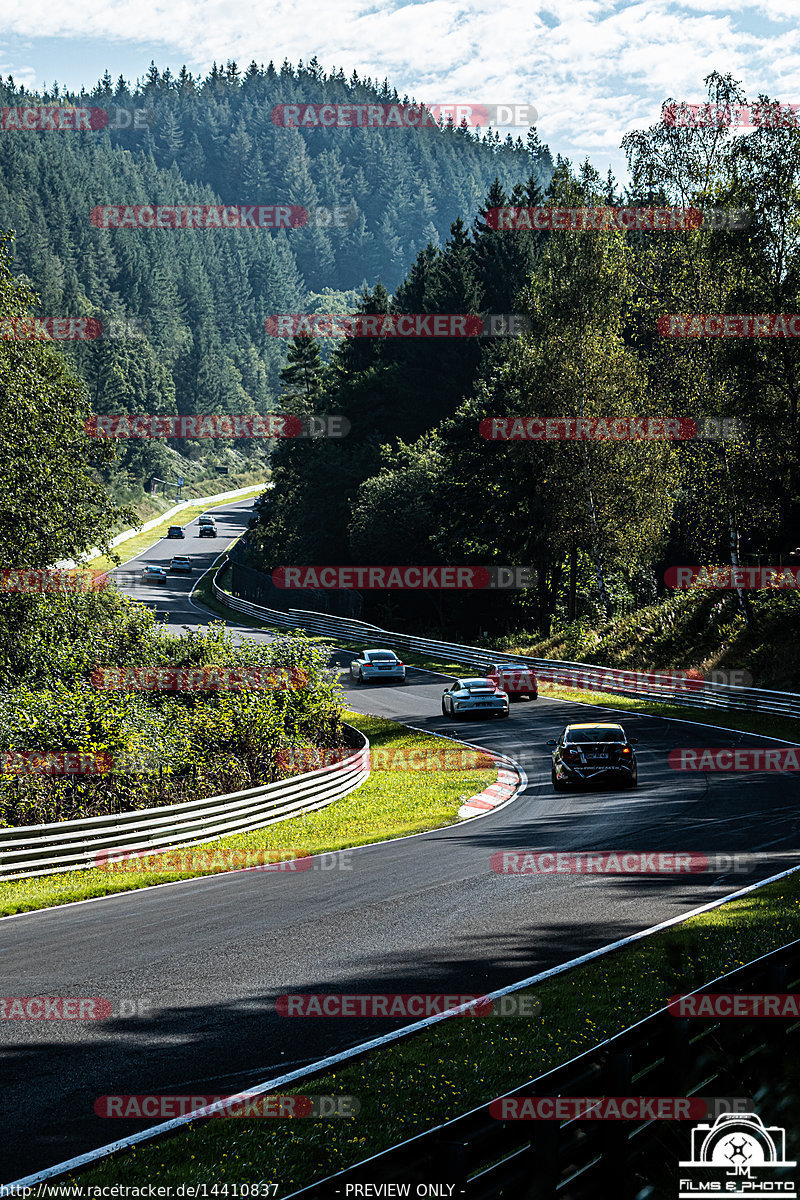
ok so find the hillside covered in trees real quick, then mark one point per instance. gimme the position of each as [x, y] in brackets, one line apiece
[600, 520]
[200, 298]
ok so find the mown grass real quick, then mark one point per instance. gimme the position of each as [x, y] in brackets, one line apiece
[454, 1066]
[388, 804]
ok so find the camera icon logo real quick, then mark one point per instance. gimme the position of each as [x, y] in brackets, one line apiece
[738, 1141]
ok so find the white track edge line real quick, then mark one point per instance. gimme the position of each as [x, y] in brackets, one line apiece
[385, 1039]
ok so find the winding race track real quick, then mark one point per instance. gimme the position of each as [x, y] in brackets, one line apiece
[422, 914]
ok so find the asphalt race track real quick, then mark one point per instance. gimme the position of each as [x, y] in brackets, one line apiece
[423, 914]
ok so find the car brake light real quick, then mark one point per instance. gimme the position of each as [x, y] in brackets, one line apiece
[626, 749]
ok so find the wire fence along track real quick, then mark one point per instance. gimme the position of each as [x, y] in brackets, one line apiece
[485, 1158]
[30, 850]
[581, 676]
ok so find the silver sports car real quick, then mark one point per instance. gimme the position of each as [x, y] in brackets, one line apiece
[474, 696]
[377, 664]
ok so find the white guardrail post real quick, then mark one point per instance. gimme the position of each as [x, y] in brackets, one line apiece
[581, 676]
[30, 850]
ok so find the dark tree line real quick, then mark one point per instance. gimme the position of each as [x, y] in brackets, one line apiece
[601, 520]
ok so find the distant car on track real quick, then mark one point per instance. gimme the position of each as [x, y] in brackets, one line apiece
[154, 575]
[474, 695]
[515, 679]
[182, 563]
[207, 526]
[593, 752]
[376, 664]
[176, 531]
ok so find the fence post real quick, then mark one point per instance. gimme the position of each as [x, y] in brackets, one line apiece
[612, 1168]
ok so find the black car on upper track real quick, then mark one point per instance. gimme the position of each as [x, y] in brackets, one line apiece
[593, 752]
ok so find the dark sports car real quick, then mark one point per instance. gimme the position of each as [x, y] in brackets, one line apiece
[591, 753]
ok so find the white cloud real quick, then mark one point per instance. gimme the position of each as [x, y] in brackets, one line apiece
[604, 66]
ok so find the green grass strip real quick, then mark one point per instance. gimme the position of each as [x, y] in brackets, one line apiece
[389, 804]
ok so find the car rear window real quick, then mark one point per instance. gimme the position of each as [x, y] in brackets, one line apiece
[382, 657]
[596, 733]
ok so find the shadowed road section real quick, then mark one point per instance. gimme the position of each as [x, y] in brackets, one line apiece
[424, 914]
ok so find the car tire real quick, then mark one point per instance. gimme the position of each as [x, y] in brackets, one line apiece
[505, 713]
[633, 781]
[360, 675]
[558, 784]
[445, 713]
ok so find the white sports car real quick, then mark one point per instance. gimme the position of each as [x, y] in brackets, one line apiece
[376, 664]
[474, 696]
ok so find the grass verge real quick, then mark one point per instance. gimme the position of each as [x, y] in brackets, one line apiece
[441, 1072]
[143, 541]
[389, 804]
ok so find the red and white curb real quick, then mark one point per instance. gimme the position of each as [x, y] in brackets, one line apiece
[504, 787]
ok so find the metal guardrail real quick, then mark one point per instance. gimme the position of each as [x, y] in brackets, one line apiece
[484, 1158]
[30, 850]
[582, 676]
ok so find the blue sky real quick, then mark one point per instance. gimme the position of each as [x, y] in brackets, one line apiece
[593, 69]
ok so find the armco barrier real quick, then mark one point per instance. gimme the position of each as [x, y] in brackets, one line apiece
[491, 1159]
[69, 564]
[602, 679]
[30, 850]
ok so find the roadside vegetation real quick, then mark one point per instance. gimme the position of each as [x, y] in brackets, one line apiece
[391, 803]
